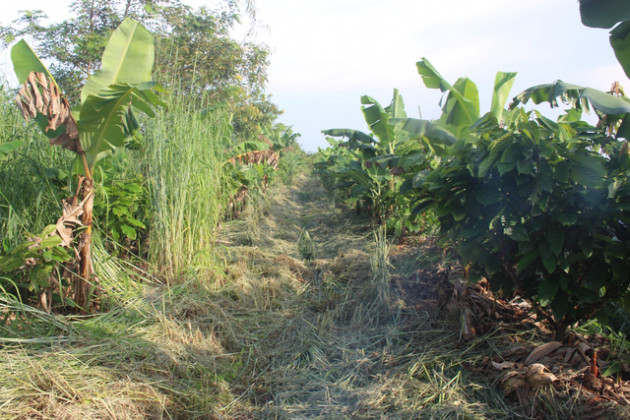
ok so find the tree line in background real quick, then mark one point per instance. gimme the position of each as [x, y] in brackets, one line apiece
[194, 52]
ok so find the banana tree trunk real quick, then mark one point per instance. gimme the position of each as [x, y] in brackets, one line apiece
[83, 283]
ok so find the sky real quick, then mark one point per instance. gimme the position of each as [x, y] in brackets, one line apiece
[326, 54]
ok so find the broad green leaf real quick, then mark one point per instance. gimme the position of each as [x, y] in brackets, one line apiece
[103, 120]
[525, 166]
[519, 233]
[425, 128]
[462, 102]
[588, 170]
[397, 108]
[352, 135]
[412, 159]
[119, 211]
[128, 58]
[575, 95]
[548, 288]
[560, 305]
[604, 13]
[562, 171]
[487, 195]
[620, 41]
[129, 232]
[547, 257]
[6, 148]
[25, 61]
[430, 76]
[377, 118]
[555, 238]
[135, 222]
[419, 178]
[502, 85]
[527, 260]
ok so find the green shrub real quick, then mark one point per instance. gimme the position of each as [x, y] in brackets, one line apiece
[540, 208]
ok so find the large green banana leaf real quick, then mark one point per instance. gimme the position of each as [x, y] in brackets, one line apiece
[604, 13]
[26, 61]
[502, 85]
[107, 119]
[607, 14]
[579, 96]
[429, 129]
[461, 108]
[128, 58]
[620, 41]
[110, 94]
[352, 135]
[378, 118]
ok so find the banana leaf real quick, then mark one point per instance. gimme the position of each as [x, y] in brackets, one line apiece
[461, 108]
[604, 13]
[578, 96]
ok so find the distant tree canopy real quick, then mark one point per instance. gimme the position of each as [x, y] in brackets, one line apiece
[195, 54]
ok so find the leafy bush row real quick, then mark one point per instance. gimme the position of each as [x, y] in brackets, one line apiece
[538, 207]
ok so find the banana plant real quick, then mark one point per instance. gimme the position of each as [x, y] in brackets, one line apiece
[611, 107]
[370, 168]
[609, 14]
[95, 128]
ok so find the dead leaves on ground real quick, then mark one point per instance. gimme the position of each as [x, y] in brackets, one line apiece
[555, 373]
[572, 368]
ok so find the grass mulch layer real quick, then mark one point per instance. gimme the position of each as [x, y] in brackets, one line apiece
[291, 324]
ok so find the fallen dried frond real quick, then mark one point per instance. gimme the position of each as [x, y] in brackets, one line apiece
[40, 95]
[269, 157]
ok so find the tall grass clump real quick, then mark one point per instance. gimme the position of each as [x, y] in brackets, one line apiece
[183, 161]
[380, 265]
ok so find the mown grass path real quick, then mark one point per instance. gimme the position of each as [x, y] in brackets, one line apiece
[279, 327]
[325, 347]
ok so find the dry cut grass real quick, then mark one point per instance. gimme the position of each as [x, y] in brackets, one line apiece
[268, 334]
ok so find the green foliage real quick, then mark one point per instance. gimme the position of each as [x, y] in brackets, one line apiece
[539, 207]
[123, 83]
[122, 210]
[603, 13]
[282, 137]
[536, 205]
[373, 173]
[32, 262]
[193, 48]
[35, 177]
[613, 14]
[182, 168]
[535, 210]
[9, 147]
[461, 107]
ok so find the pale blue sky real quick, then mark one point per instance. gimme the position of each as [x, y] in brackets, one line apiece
[327, 53]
